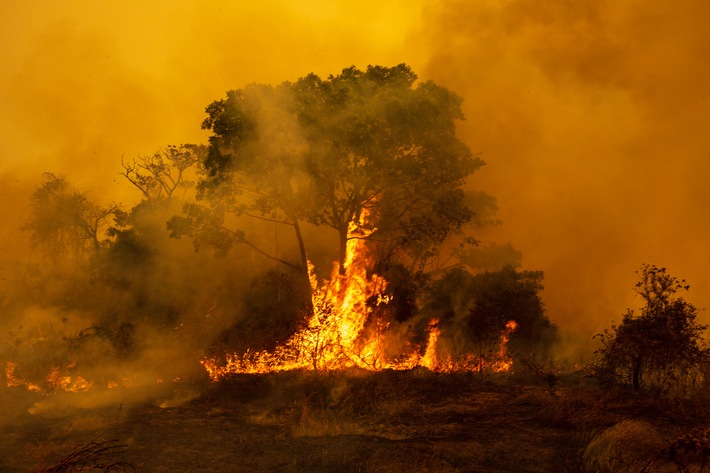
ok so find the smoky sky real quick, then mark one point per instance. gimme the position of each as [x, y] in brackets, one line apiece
[592, 116]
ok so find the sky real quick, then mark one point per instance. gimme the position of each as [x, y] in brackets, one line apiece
[592, 116]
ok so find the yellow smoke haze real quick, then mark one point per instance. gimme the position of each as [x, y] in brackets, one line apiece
[592, 116]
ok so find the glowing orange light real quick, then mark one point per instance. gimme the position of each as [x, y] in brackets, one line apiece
[13, 380]
[335, 335]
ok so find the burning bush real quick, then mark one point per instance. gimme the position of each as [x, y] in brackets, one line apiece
[473, 311]
[344, 331]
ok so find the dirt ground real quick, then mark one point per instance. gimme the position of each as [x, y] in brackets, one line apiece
[304, 422]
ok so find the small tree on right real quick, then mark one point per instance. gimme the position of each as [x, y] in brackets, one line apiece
[660, 347]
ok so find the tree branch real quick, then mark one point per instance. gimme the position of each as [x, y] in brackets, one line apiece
[243, 240]
[273, 220]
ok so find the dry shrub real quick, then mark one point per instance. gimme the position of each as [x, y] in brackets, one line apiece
[628, 446]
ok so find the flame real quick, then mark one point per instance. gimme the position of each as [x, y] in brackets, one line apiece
[333, 337]
[341, 333]
[57, 381]
[336, 337]
[435, 360]
[13, 380]
[429, 359]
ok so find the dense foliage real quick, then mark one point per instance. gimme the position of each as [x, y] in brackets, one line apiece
[473, 311]
[366, 153]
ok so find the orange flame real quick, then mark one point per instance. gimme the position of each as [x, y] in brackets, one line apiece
[429, 360]
[56, 381]
[335, 335]
[13, 380]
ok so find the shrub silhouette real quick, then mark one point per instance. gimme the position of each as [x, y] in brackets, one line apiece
[660, 347]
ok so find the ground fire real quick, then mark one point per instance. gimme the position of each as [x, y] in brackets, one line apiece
[337, 335]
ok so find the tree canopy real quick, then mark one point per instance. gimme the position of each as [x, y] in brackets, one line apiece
[160, 175]
[366, 153]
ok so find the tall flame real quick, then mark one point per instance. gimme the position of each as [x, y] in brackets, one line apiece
[333, 337]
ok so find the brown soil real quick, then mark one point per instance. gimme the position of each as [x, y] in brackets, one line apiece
[303, 422]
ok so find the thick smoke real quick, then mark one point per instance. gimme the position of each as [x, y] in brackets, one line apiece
[85, 85]
[590, 116]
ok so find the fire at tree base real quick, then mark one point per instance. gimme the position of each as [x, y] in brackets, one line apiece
[340, 335]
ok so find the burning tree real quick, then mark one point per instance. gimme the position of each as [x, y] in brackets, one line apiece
[661, 347]
[474, 309]
[368, 154]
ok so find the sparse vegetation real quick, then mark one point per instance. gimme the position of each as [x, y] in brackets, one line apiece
[389, 421]
[661, 348]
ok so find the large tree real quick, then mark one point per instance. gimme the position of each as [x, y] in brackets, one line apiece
[367, 153]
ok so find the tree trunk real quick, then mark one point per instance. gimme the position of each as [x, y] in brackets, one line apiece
[304, 264]
[301, 245]
[343, 249]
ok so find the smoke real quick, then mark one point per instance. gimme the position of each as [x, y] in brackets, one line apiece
[590, 118]
[85, 84]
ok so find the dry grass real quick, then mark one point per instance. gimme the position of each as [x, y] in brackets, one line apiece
[394, 422]
[99, 456]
